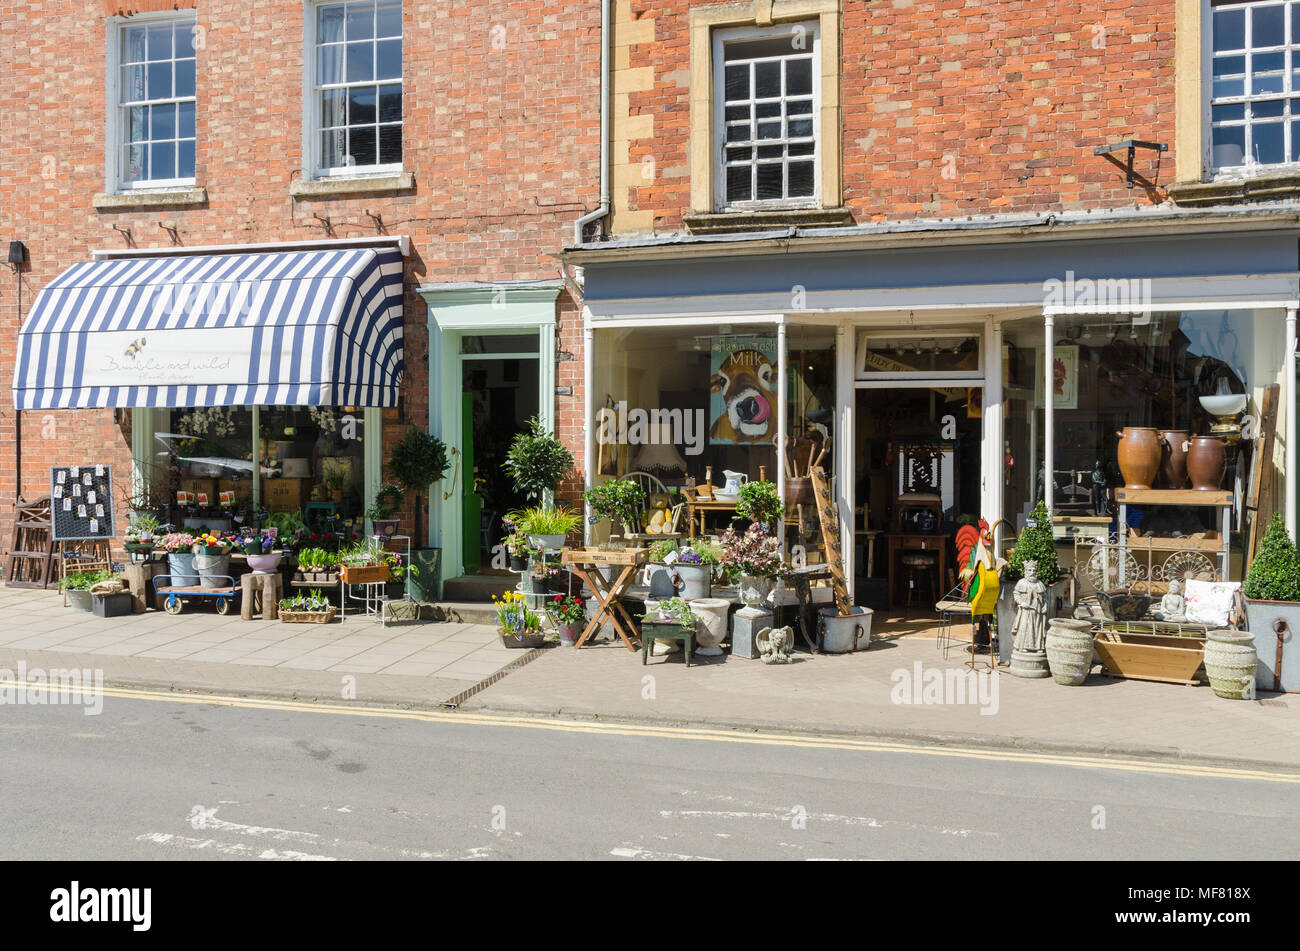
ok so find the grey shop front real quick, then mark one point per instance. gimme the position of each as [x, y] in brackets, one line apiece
[940, 339]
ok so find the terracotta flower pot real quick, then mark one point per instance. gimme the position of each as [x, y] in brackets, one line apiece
[1173, 458]
[1139, 456]
[1207, 460]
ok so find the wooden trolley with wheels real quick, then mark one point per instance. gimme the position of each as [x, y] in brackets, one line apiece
[174, 598]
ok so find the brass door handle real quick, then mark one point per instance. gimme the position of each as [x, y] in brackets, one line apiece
[454, 476]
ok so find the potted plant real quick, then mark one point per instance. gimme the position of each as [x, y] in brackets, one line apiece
[310, 608]
[180, 559]
[518, 624]
[619, 500]
[139, 538]
[260, 551]
[336, 481]
[77, 587]
[518, 549]
[417, 462]
[212, 559]
[759, 502]
[754, 560]
[388, 500]
[537, 461]
[1272, 598]
[545, 527]
[569, 614]
[364, 562]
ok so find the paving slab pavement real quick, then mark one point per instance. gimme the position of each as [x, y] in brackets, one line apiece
[857, 693]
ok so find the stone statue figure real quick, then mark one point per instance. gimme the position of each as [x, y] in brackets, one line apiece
[774, 644]
[1030, 596]
[1173, 606]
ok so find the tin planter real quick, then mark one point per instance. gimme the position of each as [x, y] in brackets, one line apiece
[111, 605]
[79, 599]
[180, 565]
[531, 640]
[214, 570]
[1274, 625]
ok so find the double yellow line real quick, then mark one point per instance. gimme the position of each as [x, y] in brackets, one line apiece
[793, 741]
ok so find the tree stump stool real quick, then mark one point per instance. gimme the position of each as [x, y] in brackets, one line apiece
[267, 588]
[139, 582]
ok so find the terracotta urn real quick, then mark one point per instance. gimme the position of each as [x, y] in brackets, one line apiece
[1173, 458]
[1207, 460]
[1139, 456]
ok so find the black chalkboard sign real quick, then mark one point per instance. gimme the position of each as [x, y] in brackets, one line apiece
[81, 503]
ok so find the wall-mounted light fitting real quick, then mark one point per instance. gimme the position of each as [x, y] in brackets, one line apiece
[17, 255]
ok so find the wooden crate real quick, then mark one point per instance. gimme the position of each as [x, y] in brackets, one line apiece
[365, 574]
[282, 495]
[604, 556]
[1161, 657]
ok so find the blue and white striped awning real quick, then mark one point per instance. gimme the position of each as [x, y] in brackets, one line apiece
[294, 328]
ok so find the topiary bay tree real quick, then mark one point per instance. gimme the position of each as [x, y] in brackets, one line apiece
[537, 461]
[1274, 575]
[1035, 544]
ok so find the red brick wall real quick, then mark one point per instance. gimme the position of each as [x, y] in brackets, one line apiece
[502, 135]
[1009, 96]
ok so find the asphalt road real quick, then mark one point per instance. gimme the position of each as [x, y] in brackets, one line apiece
[159, 779]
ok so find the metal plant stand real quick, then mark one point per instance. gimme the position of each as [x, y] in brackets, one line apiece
[370, 596]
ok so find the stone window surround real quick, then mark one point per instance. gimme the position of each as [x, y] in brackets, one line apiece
[1195, 179]
[761, 13]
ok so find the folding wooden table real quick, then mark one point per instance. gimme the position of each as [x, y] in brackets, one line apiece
[587, 565]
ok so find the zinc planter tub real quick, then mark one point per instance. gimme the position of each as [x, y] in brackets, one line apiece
[79, 599]
[1273, 625]
[1069, 651]
[1230, 662]
[214, 570]
[180, 565]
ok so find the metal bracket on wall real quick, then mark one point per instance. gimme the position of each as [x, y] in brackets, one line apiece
[1132, 145]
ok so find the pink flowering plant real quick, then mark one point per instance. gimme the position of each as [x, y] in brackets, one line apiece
[177, 541]
[756, 553]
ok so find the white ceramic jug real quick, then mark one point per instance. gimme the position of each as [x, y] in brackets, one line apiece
[734, 481]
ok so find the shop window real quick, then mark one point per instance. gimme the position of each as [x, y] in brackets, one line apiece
[355, 69]
[1113, 372]
[674, 402]
[766, 105]
[309, 461]
[1255, 84]
[151, 136]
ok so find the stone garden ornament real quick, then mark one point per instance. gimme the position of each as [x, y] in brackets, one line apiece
[775, 644]
[1029, 632]
[1173, 606]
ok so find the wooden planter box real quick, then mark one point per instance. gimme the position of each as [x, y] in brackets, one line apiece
[367, 574]
[1161, 657]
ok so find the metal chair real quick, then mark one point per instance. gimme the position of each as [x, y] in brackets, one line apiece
[951, 605]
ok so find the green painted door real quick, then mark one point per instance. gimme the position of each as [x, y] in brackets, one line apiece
[471, 501]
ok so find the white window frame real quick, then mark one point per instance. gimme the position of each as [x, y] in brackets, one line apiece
[1290, 93]
[723, 38]
[311, 124]
[114, 118]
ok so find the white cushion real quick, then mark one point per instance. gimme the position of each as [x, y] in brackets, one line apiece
[1209, 602]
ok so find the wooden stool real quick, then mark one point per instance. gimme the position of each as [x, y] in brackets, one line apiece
[665, 631]
[918, 565]
[138, 580]
[269, 587]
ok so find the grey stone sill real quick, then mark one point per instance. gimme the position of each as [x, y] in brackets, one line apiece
[330, 187]
[1226, 191]
[737, 221]
[197, 195]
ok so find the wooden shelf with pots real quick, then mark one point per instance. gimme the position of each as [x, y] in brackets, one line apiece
[1173, 497]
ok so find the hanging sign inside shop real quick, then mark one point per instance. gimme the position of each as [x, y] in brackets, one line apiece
[192, 357]
[81, 503]
[742, 388]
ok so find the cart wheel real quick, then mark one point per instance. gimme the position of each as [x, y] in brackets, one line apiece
[223, 605]
[172, 605]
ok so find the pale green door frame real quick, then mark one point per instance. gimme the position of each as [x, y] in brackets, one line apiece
[461, 310]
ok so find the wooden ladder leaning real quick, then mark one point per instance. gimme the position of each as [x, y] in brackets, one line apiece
[31, 551]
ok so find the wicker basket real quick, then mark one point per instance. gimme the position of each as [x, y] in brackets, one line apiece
[308, 617]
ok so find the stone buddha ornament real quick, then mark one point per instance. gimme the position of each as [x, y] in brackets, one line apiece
[1029, 631]
[1173, 606]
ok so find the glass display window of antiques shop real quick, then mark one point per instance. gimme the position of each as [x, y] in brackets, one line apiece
[691, 414]
[228, 465]
[1158, 413]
